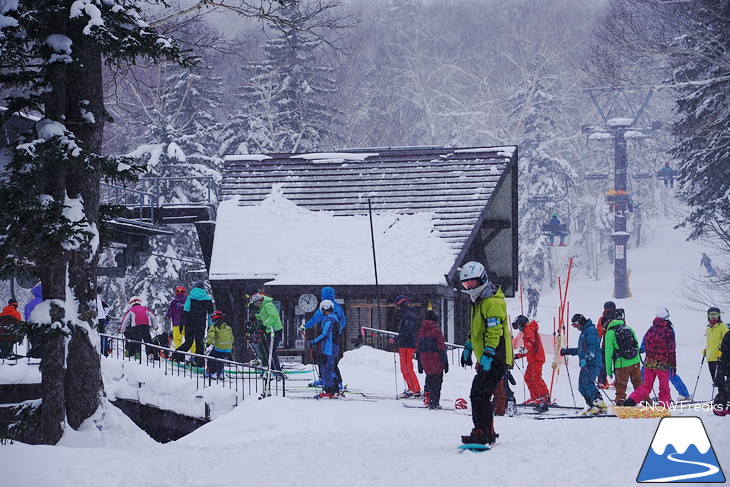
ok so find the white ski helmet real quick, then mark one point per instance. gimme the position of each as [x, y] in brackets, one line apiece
[473, 270]
[135, 300]
[326, 305]
[257, 297]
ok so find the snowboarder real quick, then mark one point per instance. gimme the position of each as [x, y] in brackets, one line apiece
[715, 332]
[609, 307]
[406, 341]
[591, 362]
[707, 263]
[533, 296]
[489, 339]
[330, 349]
[9, 317]
[196, 319]
[269, 317]
[432, 359]
[220, 337]
[533, 350]
[661, 357]
[622, 355]
[554, 221]
[328, 293]
[137, 324]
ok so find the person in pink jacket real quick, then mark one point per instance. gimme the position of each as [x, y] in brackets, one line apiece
[137, 324]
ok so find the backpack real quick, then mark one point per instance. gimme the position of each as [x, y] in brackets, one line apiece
[628, 348]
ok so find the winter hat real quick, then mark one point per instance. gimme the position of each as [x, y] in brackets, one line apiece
[400, 300]
[431, 315]
[578, 319]
[217, 315]
[13, 302]
[662, 313]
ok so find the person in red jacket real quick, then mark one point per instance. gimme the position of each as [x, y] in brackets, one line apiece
[532, 349]
[10, 316]
[431, 357]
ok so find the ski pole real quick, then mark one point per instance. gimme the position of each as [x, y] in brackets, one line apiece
[570, 382]
[604, 393]
[698, 377]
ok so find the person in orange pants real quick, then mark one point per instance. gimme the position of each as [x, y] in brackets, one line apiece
[407, 329]
[533, 350]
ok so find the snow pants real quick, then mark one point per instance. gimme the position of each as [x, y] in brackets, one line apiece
[717, 373]
[406, 368]
[433, 388]
[216, 366]
[140, 333]
[329, 380]
[533, 379]
[482, 389]
[623, 374]
[587, 383]
[642, 392]
[178, 338]
[194, 334]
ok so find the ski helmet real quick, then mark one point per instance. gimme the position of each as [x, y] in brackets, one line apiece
[13, 302]
[401, 300]
[555, 214]
[181, 290]
[460, 403]
[473, 270]
[609, 305]
[431, 315]
[326, 305]
[217, 315]
[135, 300]
[257, 298]
[662, 313]
[713, 315]
[520, 322]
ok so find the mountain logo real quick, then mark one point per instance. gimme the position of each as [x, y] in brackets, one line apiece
[681, 452]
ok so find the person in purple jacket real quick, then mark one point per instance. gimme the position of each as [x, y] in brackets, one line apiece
[174, 315]
[432, 359]
[35, 338]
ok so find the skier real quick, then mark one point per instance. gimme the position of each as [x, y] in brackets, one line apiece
[533, 350]
[195, 319]
[102, 318]
[489, 339]
[721, 402]
[174, 315]
[431, 357]
[328, 293]
[533, 296]
[591, 362]
[661, 357]
[622, 355]
[715, 332]
[554, 221]
[406, 341]
[707, 263]
[137, 324]
[220, 337]
[330, 349]
[609, 307]
[269, 317]
[9, 317]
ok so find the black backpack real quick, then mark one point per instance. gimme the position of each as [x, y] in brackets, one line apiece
[628, 347]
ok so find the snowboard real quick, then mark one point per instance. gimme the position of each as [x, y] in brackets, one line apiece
[473, 447]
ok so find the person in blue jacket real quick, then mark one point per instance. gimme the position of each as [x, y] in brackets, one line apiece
[589, 353]
[554, 220]
[330, 349]
[328, 293]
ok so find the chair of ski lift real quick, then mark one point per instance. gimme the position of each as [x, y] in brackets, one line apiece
[619, 200]
[642, 175]
[595, 176]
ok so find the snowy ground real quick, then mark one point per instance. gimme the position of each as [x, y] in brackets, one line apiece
[286, 441]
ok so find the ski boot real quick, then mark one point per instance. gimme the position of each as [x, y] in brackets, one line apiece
[687, 398]
[543, 403]
[480, 437]
[511, 407]
[598, 407]
[426, 398]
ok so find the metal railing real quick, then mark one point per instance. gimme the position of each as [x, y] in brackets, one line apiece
[247, 380]
[385, 340]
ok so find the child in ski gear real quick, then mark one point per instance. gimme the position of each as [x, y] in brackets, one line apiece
[8, 318]
[220, 336]
[721, 402]
[533, 297]
[406, 341]
[328, 293]
[196, 319]
[533, 350]
[137, 323]
[609, 307]
[174, 315]
[330, 349]
[661, 357]
[490, 341]
[591, 362]
[622, 355]
[431, 357]
[715, 332]
[269, 317]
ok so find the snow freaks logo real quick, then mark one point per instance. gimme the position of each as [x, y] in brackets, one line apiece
[681, 452]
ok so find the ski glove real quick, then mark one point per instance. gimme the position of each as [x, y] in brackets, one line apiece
[420, 368]
[302, 328]
[486, 360]
[563, 351]
[446, 367]
[466, 355]
[582, 363]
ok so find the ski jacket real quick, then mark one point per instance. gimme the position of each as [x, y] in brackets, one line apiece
[137, 315]
[197, 309]
[589, 346]
[554, 221]
[725, 357]
[430, 348]
[407, 329]
[533, 343]
[11, 311]
[609, 340]
[269, 316]
[660, 346]
[602, 324]
[714, 336]
[330, 325]
[220, 335]
[37, 292]
[489, 326]
[9, 316]
[328, 293]
[176, 309]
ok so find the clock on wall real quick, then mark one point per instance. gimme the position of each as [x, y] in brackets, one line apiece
[308, 302]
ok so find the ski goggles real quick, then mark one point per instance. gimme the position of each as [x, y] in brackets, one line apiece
[470, 284]
[714, 315]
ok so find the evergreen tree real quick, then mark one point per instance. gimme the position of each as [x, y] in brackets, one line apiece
[53, 52]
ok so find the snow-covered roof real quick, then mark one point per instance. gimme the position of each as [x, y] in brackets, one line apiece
[303, 218]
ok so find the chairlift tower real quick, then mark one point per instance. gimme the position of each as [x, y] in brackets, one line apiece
[611, 102]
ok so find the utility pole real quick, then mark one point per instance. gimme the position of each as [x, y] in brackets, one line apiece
[610, 102]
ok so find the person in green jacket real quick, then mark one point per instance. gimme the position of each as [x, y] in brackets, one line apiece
[269, 317]
[715, 332]
[622, 355]
[491, 342]
[220, 337]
